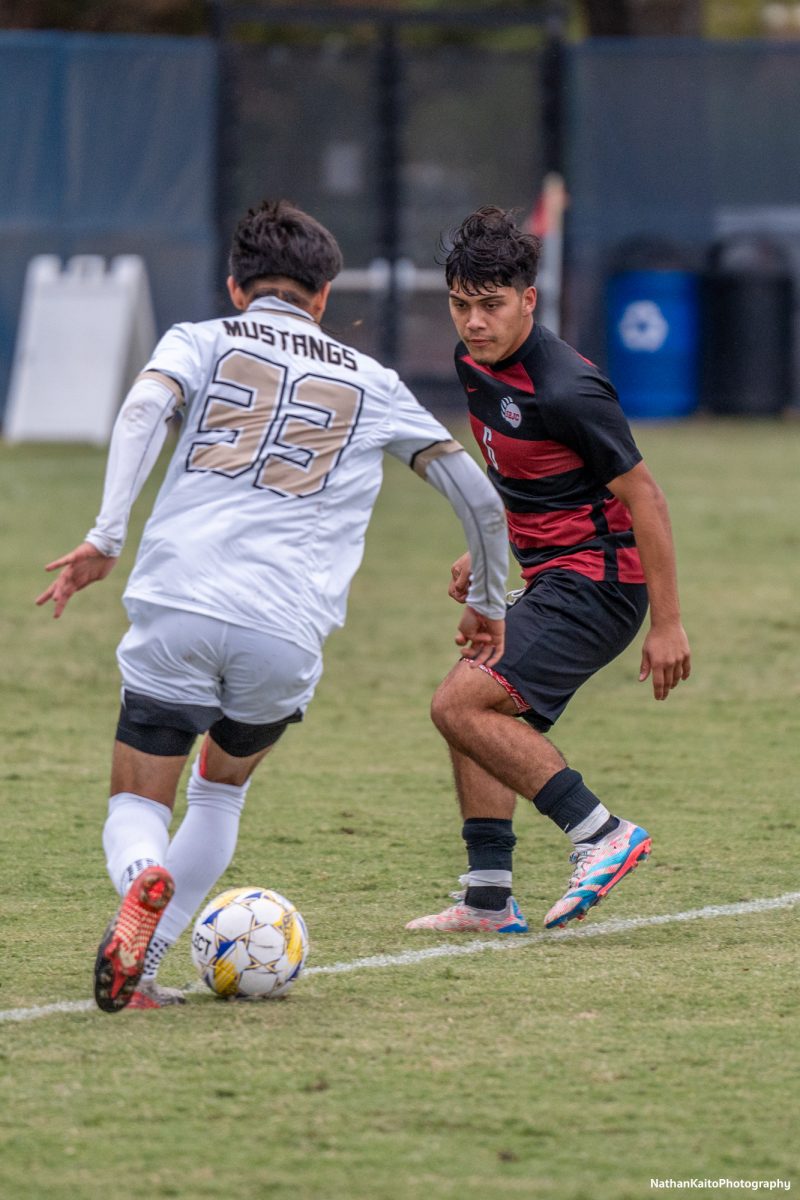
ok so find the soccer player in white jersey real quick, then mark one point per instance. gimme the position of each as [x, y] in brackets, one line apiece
[244, 566]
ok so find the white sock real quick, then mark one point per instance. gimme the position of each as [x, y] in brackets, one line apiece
[135, 836]
[156, 950]
[589, 825]
[487, 879]
[200, 851]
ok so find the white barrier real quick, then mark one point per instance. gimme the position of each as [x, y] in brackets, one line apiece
[84, 333]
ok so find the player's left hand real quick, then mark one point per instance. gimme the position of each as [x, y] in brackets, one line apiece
[665, 656]
[82, 566]
[482, 640]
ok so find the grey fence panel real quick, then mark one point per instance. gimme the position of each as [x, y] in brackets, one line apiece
[299, 123]
[677, 140]
[305, 123]
[473, 137]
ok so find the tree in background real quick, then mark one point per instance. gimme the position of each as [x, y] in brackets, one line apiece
[630, 18]
[107, 16]
[593, 18]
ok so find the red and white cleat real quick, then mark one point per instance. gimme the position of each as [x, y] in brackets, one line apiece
[462, 918]
[150, 994]
[120, 956]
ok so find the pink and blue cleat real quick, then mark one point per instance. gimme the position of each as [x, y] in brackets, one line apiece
[599, 868]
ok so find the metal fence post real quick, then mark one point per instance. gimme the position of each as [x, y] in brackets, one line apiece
[389, 183]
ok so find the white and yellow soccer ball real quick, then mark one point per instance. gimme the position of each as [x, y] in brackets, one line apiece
[249, 942]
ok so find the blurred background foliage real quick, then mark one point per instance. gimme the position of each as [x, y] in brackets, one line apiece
[596, 18]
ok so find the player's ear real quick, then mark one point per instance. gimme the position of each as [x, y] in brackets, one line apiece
[236, 294]
[319, 302]
[529, 300]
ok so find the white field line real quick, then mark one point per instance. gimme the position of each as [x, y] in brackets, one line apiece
[451, 950]
[519, 941]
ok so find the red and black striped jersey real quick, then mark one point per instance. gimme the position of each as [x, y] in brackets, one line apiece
[553, 434]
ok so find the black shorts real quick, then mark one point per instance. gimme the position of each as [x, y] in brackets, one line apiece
[563, 629]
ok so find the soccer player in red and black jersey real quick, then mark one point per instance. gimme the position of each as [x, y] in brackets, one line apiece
[590, 530]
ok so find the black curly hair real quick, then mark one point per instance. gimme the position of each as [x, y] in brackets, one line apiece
[279, 239]
[489, 251]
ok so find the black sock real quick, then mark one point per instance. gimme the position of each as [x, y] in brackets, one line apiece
[490, 847]
[604, 830]
[493, 898]
[566, 799]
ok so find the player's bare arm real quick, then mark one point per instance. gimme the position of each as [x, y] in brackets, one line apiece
[665, 653]
[82, 566]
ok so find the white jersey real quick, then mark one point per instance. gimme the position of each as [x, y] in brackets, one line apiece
[262, 515]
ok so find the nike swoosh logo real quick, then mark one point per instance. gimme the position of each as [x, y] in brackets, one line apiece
[469, 389]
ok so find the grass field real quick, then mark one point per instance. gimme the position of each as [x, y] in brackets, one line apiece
[561, 1068]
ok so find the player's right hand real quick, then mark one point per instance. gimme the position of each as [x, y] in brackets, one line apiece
[459, 578]
[82, 566]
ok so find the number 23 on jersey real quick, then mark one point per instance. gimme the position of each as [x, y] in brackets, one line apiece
[293, 437]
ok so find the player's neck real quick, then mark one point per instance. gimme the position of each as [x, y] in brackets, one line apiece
[516, 344]
[288, 295]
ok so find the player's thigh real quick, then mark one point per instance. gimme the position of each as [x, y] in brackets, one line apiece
[467, 687]
[561, 632]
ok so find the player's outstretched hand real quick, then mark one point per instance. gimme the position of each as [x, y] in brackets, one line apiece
[481, 639]
[459, 578]
[666, 656]
[82, 566]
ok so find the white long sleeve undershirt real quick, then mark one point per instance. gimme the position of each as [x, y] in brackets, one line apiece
[481, 512]
[141, 429]
[139, 434]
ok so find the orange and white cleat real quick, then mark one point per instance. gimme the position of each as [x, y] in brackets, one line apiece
[120, 956]
[462, 918]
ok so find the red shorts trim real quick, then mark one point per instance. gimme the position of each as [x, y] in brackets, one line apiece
[522, 706]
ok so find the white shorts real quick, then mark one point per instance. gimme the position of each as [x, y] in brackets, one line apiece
[186, 658]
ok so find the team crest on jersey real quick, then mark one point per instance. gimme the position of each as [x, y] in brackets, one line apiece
[509, 411]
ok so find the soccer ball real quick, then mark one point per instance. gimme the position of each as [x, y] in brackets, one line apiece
[249, 942]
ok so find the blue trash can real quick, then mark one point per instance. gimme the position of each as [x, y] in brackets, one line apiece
[653, 342]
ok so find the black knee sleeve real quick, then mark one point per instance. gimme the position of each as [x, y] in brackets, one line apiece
[241, 740]
[158, 727]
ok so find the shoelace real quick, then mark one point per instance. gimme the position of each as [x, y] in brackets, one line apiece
[462, 892]
[579, 858]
